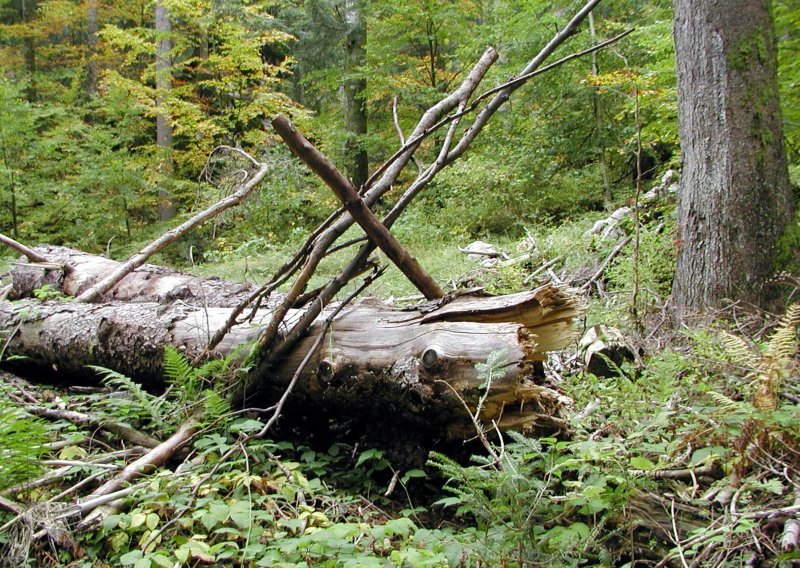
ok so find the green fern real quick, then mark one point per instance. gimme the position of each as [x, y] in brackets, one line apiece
[139, 405]
[176, 366]
[783, 343]
[22, 439]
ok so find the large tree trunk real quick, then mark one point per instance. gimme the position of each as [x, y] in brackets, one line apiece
[735, 198]
[378, 362]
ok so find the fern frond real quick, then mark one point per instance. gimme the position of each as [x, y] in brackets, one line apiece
[726, 405]
[176, 366]
[738, 351]
[214, 405]
[783, 344]
[116, 380]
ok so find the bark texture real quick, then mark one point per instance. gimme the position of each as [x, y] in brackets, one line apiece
[379, 363]
[735, 199]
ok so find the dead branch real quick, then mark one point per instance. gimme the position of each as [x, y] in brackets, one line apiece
[355, 205]
[82, 419]
[32, 255]
[171, 236]
[599, 272]
[145, 464]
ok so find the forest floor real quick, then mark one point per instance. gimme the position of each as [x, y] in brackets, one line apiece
[685, 452]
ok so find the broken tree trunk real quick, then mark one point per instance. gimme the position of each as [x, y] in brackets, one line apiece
[387, 363]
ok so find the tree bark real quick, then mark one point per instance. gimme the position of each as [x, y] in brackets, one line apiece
[735, 199]
[163, 69]
[355, 108]
[378, 362]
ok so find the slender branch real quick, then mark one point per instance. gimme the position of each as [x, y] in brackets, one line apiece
[355, 205]
[32, 255]
[169, 237]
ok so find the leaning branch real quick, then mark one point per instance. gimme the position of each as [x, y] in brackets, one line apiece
[32, 255]
[355, 205]
[169, 237]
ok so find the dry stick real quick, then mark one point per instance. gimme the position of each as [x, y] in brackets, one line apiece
[151, 460]
[11, 506]
[281, 275]
[400, 133]
[355, 205]
[81, 419]
[48, 479]
[169, 237]
[617, 249]
[790, 540]
[32, 255]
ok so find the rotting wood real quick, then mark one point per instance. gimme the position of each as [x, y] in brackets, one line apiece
[387, 356]
[147, 283]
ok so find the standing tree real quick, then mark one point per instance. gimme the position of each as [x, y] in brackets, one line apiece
[735, 199]
[166, 209]
[355, 83]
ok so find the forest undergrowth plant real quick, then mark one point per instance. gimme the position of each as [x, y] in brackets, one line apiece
[191, 390]
[22, 442]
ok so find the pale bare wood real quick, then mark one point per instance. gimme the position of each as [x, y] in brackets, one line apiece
[32, 255]
[374, 352]
[145, 464]
[82, 419]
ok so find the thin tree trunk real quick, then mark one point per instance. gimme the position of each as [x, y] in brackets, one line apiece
[163, 68]
[28, 11]
[355, 108]
[735, 198]
[599, 137]
[91, 43]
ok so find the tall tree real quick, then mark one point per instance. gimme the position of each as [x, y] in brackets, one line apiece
[735, 197]
[355, 84]
[91, 45]
[163, 68]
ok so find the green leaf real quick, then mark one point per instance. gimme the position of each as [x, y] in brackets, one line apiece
[412, 473]
[639, 462]
[367, 455]
[241, 514]
[161, 560]
[137, 520]
[131, 558]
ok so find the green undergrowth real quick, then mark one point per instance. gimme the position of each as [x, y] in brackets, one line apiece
[724, 405]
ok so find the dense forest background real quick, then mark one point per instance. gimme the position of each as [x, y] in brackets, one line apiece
[82, 165]
[117, 121]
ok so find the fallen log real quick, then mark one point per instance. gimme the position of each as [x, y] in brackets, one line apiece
[148, 283]
[378, 361]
